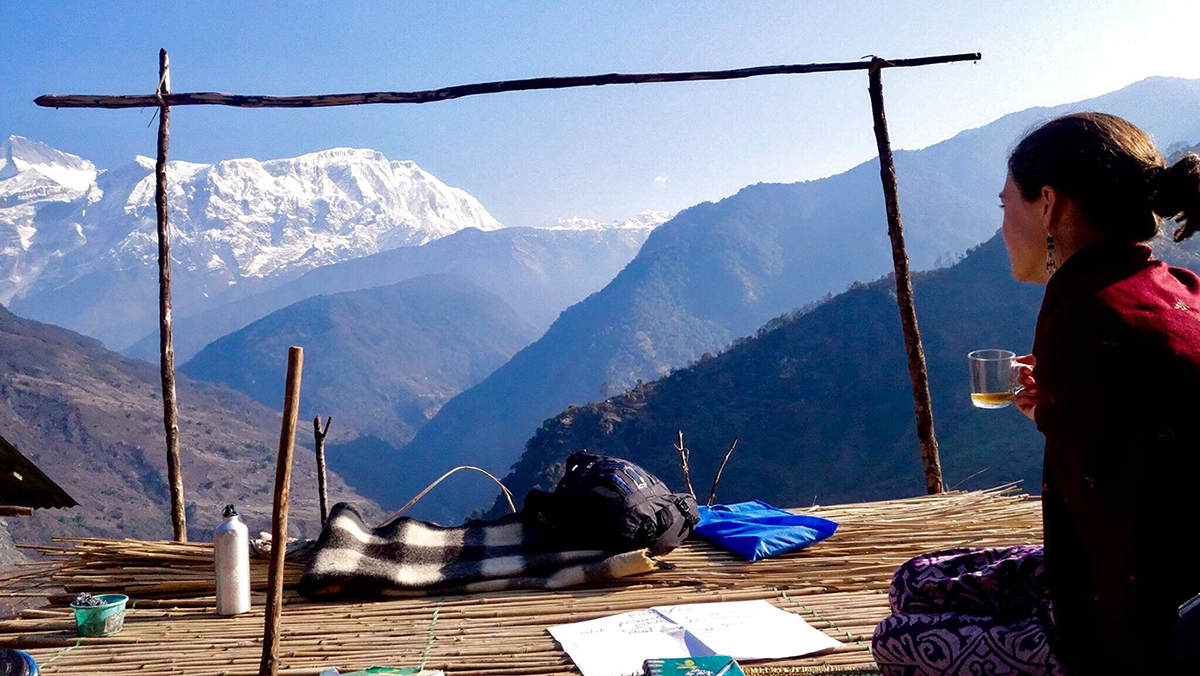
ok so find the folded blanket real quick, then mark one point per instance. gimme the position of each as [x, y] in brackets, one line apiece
[406, 556]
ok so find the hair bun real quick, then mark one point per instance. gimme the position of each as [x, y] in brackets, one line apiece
[1175, 194]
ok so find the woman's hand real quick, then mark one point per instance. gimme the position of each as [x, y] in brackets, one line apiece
[1027, 399]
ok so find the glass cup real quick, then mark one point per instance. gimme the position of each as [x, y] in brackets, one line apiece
[993, 378]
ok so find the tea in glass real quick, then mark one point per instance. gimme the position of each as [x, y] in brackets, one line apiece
[993, 378]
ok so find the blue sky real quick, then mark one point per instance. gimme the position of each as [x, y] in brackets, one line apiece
[597, 152]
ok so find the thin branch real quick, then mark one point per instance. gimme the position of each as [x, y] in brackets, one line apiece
[969, 478]
[319, 444]
[459, 91]
[684, 454]
[503, 489]
[717, 480]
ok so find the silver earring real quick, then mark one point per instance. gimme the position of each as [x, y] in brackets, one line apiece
[1050, 266]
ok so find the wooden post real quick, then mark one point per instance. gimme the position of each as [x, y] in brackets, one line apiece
[319, 444]
[917, 371]
[283, 478]
[165, 340]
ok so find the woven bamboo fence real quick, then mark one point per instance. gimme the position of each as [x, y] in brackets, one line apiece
[838, 586]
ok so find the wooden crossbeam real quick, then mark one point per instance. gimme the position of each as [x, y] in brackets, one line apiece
[460, 91]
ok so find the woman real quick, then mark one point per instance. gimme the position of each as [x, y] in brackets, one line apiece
[1114, 385]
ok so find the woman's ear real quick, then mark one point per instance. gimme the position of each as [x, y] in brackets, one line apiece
[1050, 208]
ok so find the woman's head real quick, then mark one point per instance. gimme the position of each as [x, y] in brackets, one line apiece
[1091, 177]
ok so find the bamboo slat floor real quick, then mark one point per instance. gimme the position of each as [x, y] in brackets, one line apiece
[839, 586]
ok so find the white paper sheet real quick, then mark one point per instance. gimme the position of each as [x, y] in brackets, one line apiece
[748, 630]
[617, 645]
[745, 630]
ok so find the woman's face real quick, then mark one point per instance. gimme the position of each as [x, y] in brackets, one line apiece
[1024, 232]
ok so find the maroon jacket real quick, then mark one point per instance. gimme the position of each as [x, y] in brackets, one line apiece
[1118, 366]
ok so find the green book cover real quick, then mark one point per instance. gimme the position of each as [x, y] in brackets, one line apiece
[715, 665]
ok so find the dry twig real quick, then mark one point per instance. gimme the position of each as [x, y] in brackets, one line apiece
[503, 490]
[684, 454]
[717, 480]
[319, 444]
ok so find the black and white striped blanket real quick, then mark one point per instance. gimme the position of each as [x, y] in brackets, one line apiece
[406, 556]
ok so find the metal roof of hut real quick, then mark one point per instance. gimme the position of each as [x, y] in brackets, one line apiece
[24, 487]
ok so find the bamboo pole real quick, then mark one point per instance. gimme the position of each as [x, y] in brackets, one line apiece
[460, 91]
[922, 405]
[319, 446]
[283, 476]
[165, 339]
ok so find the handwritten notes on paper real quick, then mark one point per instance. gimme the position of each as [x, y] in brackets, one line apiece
[748, 630]
[745, 630]
[618, 644]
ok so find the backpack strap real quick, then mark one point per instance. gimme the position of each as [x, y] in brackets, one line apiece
[687, 507]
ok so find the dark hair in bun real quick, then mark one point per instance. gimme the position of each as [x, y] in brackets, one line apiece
[1175, 193]
[1114, 173]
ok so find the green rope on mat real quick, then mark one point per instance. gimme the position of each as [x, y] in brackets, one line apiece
[62, 652]
[832, 625]
[429, 642]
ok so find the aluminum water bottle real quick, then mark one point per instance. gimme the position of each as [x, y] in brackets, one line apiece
[231, 551]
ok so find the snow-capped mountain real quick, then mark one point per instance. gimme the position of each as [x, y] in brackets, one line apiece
[79, 247]
[646, 220]
[20, 155]
[33, 175]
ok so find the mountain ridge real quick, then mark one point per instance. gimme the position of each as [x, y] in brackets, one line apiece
[92, 420]
[537, 271]
[380, 360]
[719, 270]
[821, 401]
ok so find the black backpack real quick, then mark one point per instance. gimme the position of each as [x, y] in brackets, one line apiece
[612, 504]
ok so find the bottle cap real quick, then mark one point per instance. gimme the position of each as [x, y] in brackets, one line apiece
[230, 511]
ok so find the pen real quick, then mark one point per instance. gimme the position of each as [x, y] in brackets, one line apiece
[725, 669]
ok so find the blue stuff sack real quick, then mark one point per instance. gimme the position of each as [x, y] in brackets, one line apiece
[755, 530]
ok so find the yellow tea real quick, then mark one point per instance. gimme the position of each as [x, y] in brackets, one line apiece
[991, 399]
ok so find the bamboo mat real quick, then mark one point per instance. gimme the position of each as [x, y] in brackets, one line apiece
[839, 586]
